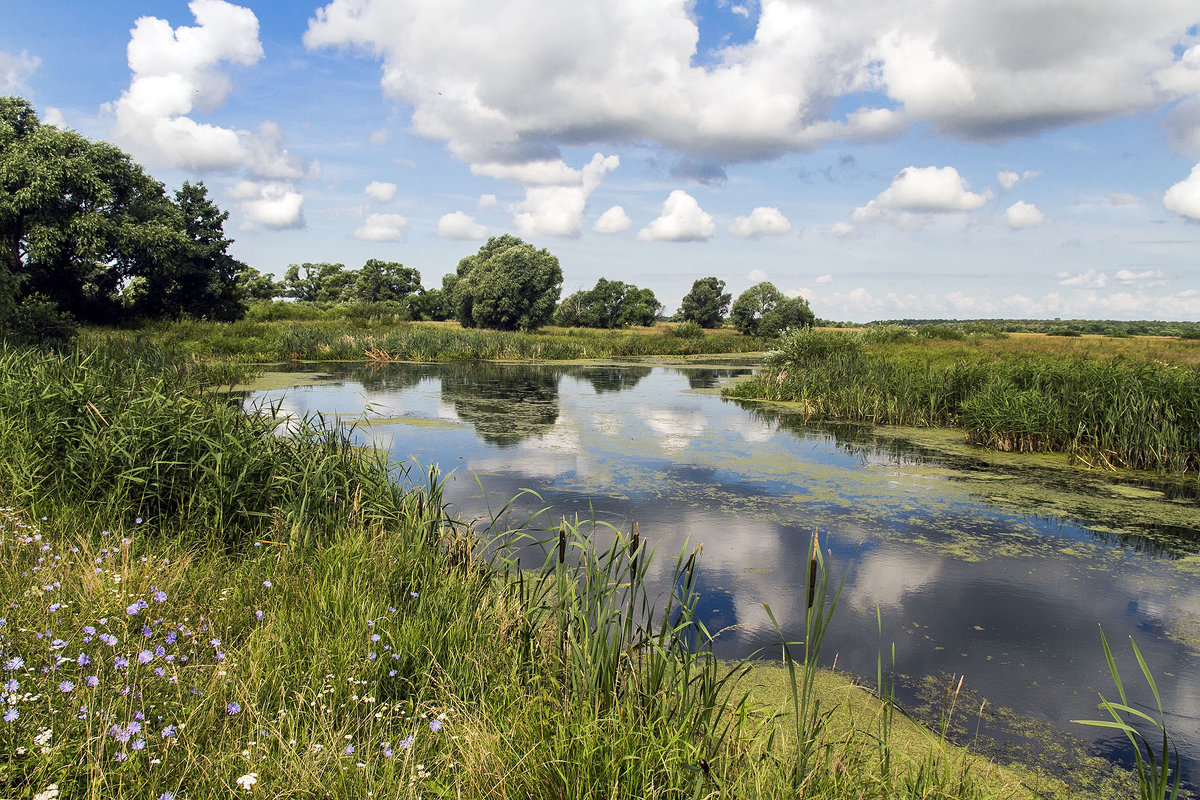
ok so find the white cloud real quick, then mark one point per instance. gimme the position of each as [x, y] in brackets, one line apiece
[379, 137]
[382, 228]
[1129, 276]
[614, 220]
[921, 190]
[1184, 197]
[1123, 199]
[756, 276]
[178, 72]
[458, 225]
[14, 69]
[841, 230]
[271, 205]
[555, 195]
[625, 70]
[381, 191]
[682, 220]
[1021, 215]
[486, 201]
[824, 279]
[1090, 279]
[1007, 179]
[762, 221]
[54, 116]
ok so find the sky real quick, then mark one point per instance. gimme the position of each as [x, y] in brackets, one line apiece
[909, 159]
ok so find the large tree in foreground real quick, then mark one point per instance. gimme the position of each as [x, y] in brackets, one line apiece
[508, 285]
[85, 228]
[706, 303]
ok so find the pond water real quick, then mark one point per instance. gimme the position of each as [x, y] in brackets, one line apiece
[993, 567]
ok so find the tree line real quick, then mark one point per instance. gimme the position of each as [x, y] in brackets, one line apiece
[86, 235]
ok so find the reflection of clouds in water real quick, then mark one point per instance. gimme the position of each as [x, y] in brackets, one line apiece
[752, 430]
[608, 423]
[676, 428]
[883, 578]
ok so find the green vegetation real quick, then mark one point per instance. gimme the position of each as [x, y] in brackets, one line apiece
[508, 286]
[1109, 412]
[609, 304]
[86, 235]
[705, 304]
[762, 310]
[376, 331]
[199, 606]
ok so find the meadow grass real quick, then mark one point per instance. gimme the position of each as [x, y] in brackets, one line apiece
[196, 606]
[384, 339]
[1106, 407]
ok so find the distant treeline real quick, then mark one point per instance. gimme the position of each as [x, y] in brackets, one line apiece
[1051, 327]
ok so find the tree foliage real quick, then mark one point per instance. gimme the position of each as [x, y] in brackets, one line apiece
[507, 285]
[609, 304]
[762, 310]
[706, 303]
[85, 229]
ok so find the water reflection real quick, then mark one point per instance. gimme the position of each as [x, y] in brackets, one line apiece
[999, 568]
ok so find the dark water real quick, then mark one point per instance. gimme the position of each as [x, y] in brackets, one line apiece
[998, 569]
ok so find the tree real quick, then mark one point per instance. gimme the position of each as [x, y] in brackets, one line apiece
[705, 304]
[609, 304]
[85, 229]
[320, 281]
[793, 312]
[257, 287]
[381, 281]
[507, 285]
[752, 304]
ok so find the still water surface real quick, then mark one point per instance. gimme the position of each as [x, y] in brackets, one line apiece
[994, 567]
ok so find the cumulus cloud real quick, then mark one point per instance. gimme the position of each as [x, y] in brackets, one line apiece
[824, 279]
[14, 69]
[762, 221]
[272, 205]
[486, 201]
[555, 195]
[1021, 215]
[458, 225]
[179, 72]
[756, 276]
[1090, 279]
[614, 220]
[841, 230]
[382, 228]
[625, 70]
[682, 220]
[1008, 179]
[922, 190]
[1184, 197]
[1129, 276]
[381, 191]
[54, 116]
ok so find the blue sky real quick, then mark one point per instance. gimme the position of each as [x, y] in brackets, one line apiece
[956, 159]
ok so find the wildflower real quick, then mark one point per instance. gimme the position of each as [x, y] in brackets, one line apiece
[138, 744]
[435, 725]
[11, 715]
[349, 750]
[248, 780]
[267, 584]
[134, 727]
[92, 681]
[89, 630]
[50, 793]
[406, 743]
[160, 596]
[108, 639]
[414, 594]
[43, 738]
[233, 708]
[166, 796]
[145, 657]
[120, 756]
[132, 609]
[169, 732]
[11, 685]
[14, 663]
[258, 614]
[66, 687]
[83, 660]
[120, 663]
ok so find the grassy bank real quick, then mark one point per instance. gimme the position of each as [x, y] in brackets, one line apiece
[382, 338]
[1109, 405]
[196, 608]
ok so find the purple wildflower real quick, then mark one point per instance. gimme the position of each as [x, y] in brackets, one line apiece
[66, 687]
[406, 742]
[145, 657]
[160, 596]
[233, 708]
[11, 715]
[435, 725]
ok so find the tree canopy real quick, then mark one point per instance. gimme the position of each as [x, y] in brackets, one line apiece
[609, 304]
[507, 285]
[84, 228]
[763, 310]
[706, 303]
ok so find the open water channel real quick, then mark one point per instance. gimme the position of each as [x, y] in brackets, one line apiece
[991, 567]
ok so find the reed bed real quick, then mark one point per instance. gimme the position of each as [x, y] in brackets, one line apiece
[384, 339]
[198, 606]
[1106, 412]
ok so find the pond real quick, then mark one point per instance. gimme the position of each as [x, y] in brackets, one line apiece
[995, 568]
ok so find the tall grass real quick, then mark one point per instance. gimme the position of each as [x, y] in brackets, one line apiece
[306, 626]
[1110, 412]
[385, 339]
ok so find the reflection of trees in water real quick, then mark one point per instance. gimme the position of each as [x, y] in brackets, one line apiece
[611, 378]
[379, 376]
[711, 378]
[860, 440]
[507, 403]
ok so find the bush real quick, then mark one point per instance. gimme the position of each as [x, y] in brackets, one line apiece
[686, 330]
